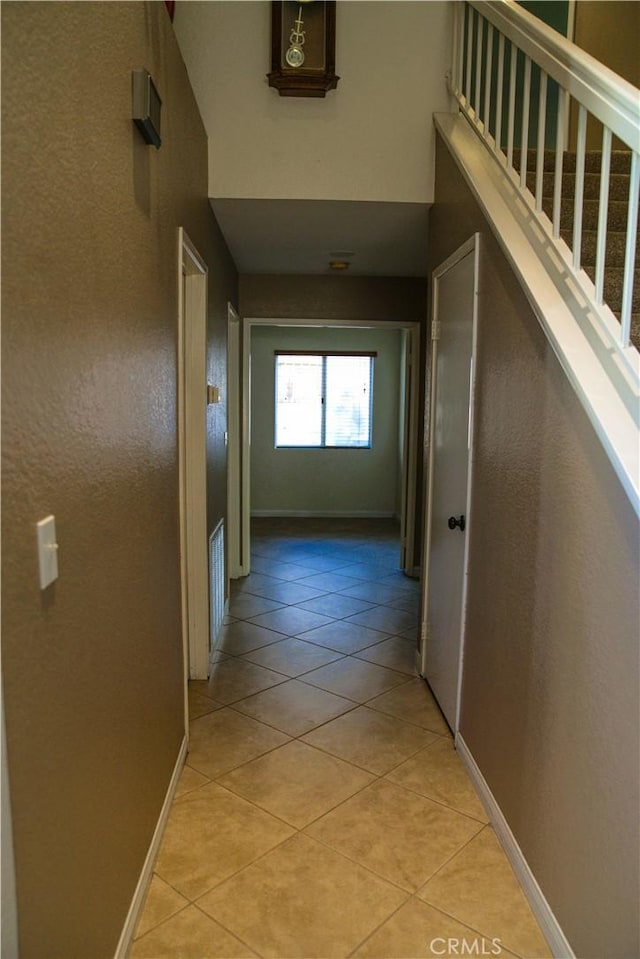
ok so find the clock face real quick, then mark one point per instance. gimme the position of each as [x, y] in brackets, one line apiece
[303, 35]
[294, 56]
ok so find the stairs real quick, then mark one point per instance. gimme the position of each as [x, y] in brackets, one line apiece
[616, 219]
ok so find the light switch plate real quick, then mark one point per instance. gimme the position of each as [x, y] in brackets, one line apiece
[47, 551]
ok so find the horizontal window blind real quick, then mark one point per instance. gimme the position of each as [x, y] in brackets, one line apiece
[324, 399]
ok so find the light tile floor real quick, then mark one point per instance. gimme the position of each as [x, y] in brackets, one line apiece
[323, 811]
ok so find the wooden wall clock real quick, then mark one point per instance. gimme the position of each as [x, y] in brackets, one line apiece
[303, 47]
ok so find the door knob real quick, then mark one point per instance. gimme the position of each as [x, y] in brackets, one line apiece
[453, 522]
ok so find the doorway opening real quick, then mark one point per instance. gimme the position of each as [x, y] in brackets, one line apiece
[398, 401]
[192, 358]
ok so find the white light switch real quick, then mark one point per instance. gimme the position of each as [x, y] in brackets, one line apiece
[47, 551]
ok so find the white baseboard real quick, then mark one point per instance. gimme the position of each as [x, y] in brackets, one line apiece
[147, 869]
[326, 514]
[541, 909]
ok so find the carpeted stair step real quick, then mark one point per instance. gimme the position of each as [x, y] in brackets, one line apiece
[615, 251]
[620, 161]
[618, 185]
[613, 280]
[616, 214]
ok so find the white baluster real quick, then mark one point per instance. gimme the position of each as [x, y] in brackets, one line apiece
[579, 194]
[467, 82]
[630, 251]
[512, 105]
[563, 103]
[477, 90]
[498, 144]
[524, 139]
[487, 80]
[542, 129]
[603, 210]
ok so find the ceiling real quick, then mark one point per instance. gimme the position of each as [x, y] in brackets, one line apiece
[302, 236]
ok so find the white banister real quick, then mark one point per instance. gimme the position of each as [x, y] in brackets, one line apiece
[598, 92]
[606, 96]
[500, 44]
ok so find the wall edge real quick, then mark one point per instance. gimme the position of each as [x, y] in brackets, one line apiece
[550, 927]
[146, 873]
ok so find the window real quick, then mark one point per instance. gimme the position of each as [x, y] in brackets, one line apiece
[324, 399]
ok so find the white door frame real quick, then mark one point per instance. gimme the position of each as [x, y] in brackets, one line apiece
[234, 444]
[471, 245]
[411, 413]
[9, 924]
[192, 447]
[409, 427]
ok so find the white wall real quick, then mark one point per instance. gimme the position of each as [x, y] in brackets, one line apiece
[324, 481]
[371, 139]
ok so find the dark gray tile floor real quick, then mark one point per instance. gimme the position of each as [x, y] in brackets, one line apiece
[320, 592]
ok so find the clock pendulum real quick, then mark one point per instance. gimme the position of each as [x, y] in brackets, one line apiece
[303, 47]
[295, 55]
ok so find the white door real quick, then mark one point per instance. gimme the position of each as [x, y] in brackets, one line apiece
[451, 394]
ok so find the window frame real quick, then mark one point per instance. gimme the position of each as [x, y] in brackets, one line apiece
[324, 355]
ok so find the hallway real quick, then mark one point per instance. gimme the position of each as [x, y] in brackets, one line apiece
[323, 810]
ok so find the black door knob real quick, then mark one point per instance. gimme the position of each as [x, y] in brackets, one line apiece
[453, 522]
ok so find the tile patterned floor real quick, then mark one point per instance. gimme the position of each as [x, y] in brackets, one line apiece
[323, 811]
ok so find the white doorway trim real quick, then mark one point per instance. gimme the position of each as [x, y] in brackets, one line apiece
[471, 246]
[192, 448]
[234, 444]
[9, 924]
[410, 451]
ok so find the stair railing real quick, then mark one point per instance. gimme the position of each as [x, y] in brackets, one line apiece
[513, 77]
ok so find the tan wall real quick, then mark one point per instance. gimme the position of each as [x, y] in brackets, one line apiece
[610, 31]
[92, 667]
[550, 688]
[334, 297]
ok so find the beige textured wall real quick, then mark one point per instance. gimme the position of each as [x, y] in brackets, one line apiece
[92, 667]
[610, 31]
[550, 688]
[334, 297]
